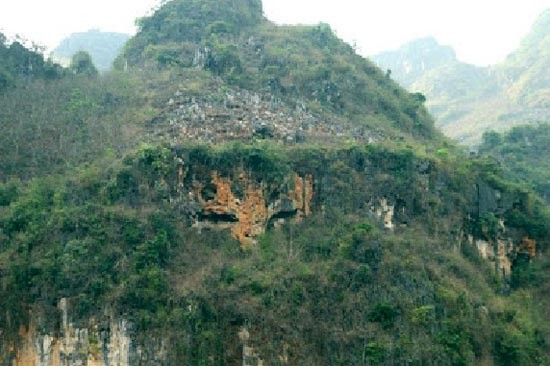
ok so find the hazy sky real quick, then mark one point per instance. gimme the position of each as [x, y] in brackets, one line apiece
[481, 31]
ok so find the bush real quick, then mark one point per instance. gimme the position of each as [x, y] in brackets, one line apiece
[375, 353]
[385, 314]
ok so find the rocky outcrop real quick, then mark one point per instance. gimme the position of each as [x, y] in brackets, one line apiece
[249, 214]
[101, 343]
[529, 246]
[244, 115]
[503, 248]
[385, 212]
[250, 356]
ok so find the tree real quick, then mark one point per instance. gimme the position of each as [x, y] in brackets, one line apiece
[81, 64]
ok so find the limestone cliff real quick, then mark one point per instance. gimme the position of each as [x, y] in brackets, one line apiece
[248, 216]
[195, 296]
[107, 345]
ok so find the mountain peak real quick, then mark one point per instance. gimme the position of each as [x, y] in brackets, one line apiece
[428, 41]
[192, 20]
[230, 42]
[415, 58]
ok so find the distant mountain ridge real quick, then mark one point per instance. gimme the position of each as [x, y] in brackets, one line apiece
[468, 100]
[102, 46]
[414, 59]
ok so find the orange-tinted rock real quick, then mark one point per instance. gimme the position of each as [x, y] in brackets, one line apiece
[26, 354]
[224, 202]
[252, 216]
[528, 245]
[297, 196]
[251, 212]
[308, 194]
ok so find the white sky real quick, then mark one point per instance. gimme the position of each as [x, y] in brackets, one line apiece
[481, 31]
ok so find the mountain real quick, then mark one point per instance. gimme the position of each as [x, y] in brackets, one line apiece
[241, 193]
[414, 59]
[104, 47]
[464, 98]
[526, 71]
[307, 68]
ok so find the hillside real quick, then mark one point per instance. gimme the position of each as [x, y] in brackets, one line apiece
[241, 193]
[307, 70]
[104, 47]
[526, 72]
[464, 98]
[524, 154]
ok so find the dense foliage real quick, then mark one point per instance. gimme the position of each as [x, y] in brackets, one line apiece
[335, 288]
[306, 62]
[524, 153]
[48, 127]
[82, 64]
[19, 64]
[96, 210]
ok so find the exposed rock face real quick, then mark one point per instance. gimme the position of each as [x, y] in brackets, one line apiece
[244, 115]
[499, 252]
[484, 249]
[528, 245]
[503, 250]
[385, 212]
[250, 356]
[496, 242]
[108, 345]
[249, 215]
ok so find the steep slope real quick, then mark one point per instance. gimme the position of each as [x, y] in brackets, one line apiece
[523, 81]
[372, 256]
[527, 71]
[464, 99]
[54, 119]
[277, 200]
[306, 69]
[104, 47]
[468, 100]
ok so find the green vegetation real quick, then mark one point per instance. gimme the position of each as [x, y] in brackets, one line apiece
[468, 100]
[81, 64]
[51, 126]
[524, 153]
[97, 209]
[19, 64]
[307, 63]
[337, 288]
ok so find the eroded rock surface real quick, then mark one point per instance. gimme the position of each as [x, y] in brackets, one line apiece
[244, 115]
[75, 346]
[249, 214]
